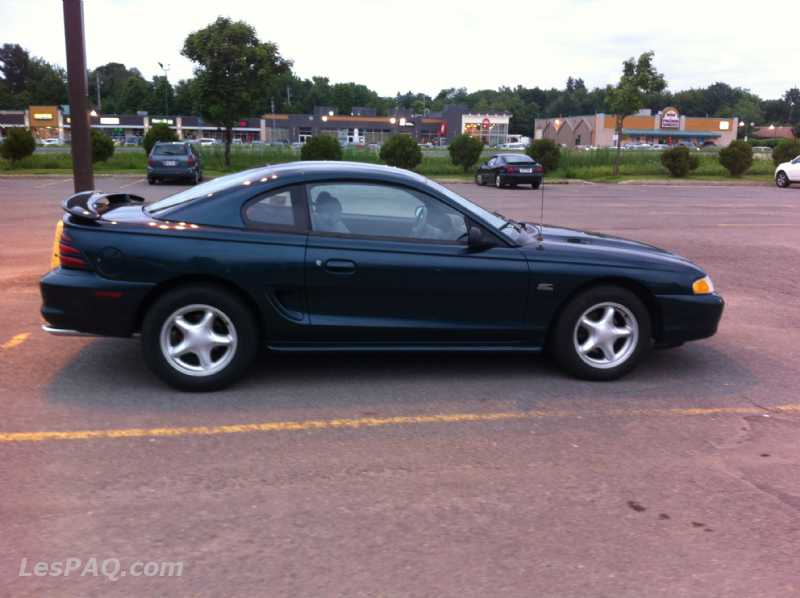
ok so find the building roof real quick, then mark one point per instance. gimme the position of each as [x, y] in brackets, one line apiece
[669, 133]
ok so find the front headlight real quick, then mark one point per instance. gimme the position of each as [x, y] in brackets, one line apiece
[703, 286]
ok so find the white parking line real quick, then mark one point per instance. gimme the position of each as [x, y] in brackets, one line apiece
[136, 182]
[53, 183]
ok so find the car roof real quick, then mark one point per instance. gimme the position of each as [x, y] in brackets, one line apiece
[514, 155]
[343, 168]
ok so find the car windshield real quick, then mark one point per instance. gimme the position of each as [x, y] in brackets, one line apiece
[518, 160]
[170, 150]
[207, 189]
[510, 229]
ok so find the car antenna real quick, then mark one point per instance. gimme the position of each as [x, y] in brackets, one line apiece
[540, 236]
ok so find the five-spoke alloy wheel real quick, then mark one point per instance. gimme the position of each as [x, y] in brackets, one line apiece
[602, 333]
[199, 337]
[782, 180]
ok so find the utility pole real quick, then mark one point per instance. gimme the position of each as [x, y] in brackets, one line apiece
[166, 87]
[272, 109]
[78, 88]
[97, 85]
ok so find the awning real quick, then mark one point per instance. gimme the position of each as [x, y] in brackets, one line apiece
[669, 133]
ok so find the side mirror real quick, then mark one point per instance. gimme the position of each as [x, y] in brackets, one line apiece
[476, 239]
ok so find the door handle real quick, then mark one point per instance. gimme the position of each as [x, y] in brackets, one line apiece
[340, 266]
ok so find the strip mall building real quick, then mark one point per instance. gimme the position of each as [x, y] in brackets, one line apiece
[667, 126]
[361, 126]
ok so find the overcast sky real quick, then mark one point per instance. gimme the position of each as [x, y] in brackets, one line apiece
[430, 45]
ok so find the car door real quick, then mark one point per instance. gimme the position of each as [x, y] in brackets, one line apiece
[388, 263]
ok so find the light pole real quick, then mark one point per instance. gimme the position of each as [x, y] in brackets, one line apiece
[165, 68]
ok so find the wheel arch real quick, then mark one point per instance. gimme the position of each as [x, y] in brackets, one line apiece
[637, 288]
[199, 279]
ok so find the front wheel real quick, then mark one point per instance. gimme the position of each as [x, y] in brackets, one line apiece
[478, 179]
[602, 333]
[199, 338]
[498, 182]
[782, 180]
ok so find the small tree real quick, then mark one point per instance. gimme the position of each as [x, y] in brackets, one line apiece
[785, 151]
[679, 161]
[546, 152]
[158, 132]
[102, 146]
[401, 151]
[321, 147]
[465, 151]
[639, 78]
[235, 72]
[18, 144]
[737, 158]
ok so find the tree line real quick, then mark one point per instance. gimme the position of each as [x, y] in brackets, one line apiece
[27, 80]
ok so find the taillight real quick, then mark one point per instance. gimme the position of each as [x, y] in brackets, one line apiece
[511, 169]
[538, 168]
[70, 256]
[151, 162]
[190, 161]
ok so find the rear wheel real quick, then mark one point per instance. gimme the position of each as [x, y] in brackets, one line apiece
[151, 180]
[536, 185]
[602, 333]
[199, 338]
[782, 180]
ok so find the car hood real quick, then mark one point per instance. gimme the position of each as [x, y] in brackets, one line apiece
[598, 247]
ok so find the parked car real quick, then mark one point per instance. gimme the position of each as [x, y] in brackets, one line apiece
[174, 160]
[133, 140]
[357, 257]
[788, 173]
[50, 141]
[510, 169]
[209, 141]
[512, 146]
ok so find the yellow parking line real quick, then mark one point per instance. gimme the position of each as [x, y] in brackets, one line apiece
[15, 341]
[375, 422]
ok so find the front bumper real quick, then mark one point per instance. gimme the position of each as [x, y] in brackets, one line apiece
[688, 317]
[76, 301]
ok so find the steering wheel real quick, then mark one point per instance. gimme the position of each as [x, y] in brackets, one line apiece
[420, 217]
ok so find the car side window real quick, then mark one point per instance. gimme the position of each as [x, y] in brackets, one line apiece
[376, 210]
[273, 210]
[491, 163]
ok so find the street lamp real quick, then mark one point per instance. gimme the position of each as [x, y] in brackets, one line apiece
[392, 120]
[165, 68]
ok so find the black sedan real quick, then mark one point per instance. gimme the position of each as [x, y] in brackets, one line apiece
[510, 169]
[174, 160]
[320, 256]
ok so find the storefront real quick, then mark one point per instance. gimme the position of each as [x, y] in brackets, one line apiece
[45, 122]
[667, 127]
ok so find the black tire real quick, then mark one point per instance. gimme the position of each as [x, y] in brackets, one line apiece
[479, 179]
[245, 327]
[536, 185]
[196, 177]
[151, 180]
[564, 334]
[781, 180]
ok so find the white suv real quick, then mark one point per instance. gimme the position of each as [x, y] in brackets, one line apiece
[788, 173]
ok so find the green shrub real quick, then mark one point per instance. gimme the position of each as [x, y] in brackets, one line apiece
[679, 161]
[737, 158]
[465, 151]
[102, 146]
[18, 144]
[321, 147]
[158, 132]
[785, 151]
[401, 151]
[546, 152]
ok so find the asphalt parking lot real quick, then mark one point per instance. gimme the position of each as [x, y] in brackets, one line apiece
[454, 475]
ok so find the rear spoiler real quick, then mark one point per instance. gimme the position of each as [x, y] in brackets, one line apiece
[91, 205]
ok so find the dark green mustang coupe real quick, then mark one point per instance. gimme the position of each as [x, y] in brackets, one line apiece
[322, 256]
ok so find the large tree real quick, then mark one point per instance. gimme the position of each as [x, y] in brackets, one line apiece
[233, 72]
[639, 78]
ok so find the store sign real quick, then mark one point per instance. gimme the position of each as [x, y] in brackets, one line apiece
[486, 123]
[164, 121]
[109, 120]
[42, 116]
[670, 119]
